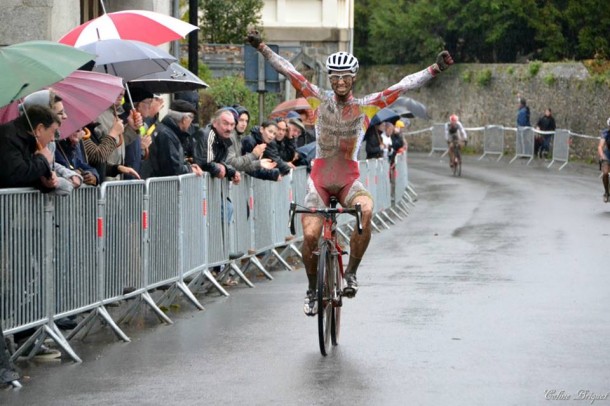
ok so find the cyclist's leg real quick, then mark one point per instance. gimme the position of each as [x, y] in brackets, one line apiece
[450, 145]
[312, 228]
[605, 170]
[358, 242]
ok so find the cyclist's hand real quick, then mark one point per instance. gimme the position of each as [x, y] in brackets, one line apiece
[444, 60]
[254, 38]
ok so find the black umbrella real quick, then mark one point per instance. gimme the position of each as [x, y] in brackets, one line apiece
[175, 79]
[409, 108]
[385, 115]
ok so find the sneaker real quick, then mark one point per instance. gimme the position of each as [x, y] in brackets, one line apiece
[352, 285]
[45, 354]
[310, 308]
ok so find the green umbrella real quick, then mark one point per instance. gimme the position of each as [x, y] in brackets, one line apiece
[30, 66]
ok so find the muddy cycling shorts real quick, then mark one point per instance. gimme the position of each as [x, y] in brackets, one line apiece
[334, 177]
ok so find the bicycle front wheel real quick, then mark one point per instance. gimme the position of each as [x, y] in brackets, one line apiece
[325, 305]
[336, 319]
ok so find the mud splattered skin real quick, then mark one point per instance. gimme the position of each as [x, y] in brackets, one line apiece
[340, 126]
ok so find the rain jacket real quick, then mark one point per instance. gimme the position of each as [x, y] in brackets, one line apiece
[211, 151]
[167, 156]
[21, 167]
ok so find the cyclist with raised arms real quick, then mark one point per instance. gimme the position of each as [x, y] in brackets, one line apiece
[454, 129]
[603, 150]
[339, 133]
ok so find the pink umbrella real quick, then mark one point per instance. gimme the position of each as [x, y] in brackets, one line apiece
[146, 26]
[85, 96]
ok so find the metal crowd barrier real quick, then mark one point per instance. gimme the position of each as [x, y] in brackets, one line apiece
[561, 148]
[26, 252]
[99, 246]
[524, 144]
[493, 141]
[439, 143]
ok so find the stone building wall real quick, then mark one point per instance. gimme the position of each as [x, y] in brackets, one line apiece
[487, 94]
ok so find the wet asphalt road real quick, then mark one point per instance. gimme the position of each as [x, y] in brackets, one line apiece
[494, 291]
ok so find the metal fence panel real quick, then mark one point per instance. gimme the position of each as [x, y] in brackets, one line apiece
[123, 203]
[240, 227]
[217, 239]
[561, 148]
[493, 140]
[22, 261]
[163, 229]
[75, 247]
[439, 144]
[281, 209]
[401, 177]
[299, 190]
[524, 143]
[193, 222]
[263, 212]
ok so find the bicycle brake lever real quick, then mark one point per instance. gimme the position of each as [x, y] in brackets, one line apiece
[293, 207]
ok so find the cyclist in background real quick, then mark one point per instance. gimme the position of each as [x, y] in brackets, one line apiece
[454, 129]
[603, 150]
[339, 133]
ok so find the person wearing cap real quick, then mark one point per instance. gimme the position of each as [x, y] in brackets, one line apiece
[339, 133]
[167, 155]
[603, 151]
[398, 143]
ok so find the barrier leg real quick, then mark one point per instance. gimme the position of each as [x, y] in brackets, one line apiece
[238, 271]
[189, 295]
[257, 263]
[56, 335]
[385, 214]
[214, 282]
[281, 260]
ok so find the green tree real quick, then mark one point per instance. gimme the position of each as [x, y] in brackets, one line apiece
[227, 22]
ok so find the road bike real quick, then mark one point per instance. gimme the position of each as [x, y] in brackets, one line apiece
[457, 156]
[329, 290]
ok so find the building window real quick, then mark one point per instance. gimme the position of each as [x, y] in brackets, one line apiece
[89, 9]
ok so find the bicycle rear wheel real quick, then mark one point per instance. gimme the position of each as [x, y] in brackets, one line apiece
[325, 305]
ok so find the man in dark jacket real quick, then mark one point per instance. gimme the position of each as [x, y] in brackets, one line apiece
[214, 142]
[167, 154]
[26, 160]
[546, 123]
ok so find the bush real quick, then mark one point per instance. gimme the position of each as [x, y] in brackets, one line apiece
[467, 76]
[534, 68]
[230, 90]
[550, 79]
[484, 77]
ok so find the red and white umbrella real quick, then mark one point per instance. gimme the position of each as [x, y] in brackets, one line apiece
[140, 25]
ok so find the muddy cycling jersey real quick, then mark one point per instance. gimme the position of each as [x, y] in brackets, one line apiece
[340, 127]
[606, 137]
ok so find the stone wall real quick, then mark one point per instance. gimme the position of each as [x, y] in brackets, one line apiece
[487, 94]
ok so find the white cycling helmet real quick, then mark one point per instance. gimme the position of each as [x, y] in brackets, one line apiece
[608, 122]
[342, 61]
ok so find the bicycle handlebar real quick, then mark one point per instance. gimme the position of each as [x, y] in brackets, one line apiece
[326, 212]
